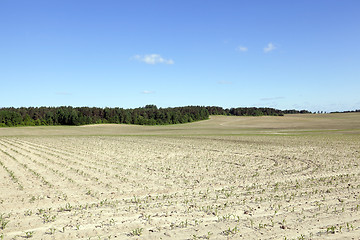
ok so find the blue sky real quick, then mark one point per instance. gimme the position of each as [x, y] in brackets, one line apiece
[282, 54]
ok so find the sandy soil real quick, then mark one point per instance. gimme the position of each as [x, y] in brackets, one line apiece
[257, 184]
[218, 125]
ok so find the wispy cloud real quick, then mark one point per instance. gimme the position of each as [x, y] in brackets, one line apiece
[223, 82]
[152, 59]
[242, 49]
[271, 98]
[147, 92]
[270, 47]
[63, 93]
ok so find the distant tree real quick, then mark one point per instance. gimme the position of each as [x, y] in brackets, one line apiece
[151, 106]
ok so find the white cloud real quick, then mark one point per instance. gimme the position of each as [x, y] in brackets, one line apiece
[147, 92]
[223, 82]
[153, 59]
[270, 47]
[242, 49]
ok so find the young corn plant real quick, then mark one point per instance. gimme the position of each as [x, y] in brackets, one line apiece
[231, 231]
[3, 221]
[208, 235]
[136, 232]
[28, 213]
[51, 231]
[29, 234]
[331, 229]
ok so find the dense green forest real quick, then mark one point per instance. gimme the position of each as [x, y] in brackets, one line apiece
[148, 115]
[253, 111]
[293, 111]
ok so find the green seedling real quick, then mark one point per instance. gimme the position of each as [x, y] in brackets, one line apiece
[3, 222]
[136, 232]
[52, 231]
[331, 229]
[29, 234]
[230, 231]
[208, 235]
[28, 213]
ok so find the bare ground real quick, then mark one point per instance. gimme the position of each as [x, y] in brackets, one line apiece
[295, 177]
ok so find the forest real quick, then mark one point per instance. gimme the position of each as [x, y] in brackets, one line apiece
[148, 115]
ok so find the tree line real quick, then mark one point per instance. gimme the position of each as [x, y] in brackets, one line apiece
[148, 115]
[357, 110]
[244, 111]
[293, 111]
[66, 115]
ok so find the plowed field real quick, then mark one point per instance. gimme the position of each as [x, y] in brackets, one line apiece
[295, 177]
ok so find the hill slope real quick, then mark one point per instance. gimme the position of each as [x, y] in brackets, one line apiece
[344, 122]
